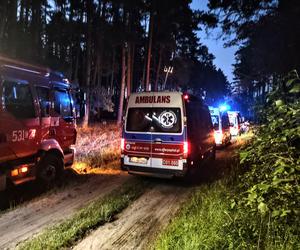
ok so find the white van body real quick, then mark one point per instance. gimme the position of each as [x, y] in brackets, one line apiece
[155, 137]
[235, 122]
[220, 121]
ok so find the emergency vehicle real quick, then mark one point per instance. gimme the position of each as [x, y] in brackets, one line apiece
[235, 122]
[221, 126]
[37, 125]
[165, 134]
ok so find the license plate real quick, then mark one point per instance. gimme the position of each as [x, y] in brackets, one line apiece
[170, 162]
[140, 160]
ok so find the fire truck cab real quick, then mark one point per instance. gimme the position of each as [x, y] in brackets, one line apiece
[37, 123]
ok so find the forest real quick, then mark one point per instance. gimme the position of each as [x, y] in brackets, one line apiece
[110, 48]
[267, 37]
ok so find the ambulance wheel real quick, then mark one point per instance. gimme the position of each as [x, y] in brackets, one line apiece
[49, 169]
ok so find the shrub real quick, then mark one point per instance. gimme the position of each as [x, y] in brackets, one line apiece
[269, 186]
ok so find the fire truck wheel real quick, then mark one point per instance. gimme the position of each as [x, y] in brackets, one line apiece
[50, 168]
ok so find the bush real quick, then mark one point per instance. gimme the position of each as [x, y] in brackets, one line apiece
[269, 186]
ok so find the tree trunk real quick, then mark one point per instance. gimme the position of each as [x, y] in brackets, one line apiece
[75, 71]
[88, 63]
[12, 27]
[158, 69]
[22, 6]
[36, 28]
[149, 52]
[112, 70]
[132, 64]
[3, 22]
[121, 101]
[129, 69]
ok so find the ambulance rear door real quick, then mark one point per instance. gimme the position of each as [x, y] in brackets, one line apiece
[168, 136]
[137, 131]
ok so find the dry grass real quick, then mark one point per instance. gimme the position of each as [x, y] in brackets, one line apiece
[98, 146]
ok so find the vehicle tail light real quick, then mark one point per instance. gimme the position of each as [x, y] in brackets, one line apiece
[122, 144]
[185, 149]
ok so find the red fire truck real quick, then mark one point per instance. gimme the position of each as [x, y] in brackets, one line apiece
[37, 123]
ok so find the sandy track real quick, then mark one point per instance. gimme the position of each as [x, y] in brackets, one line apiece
[27, 220]
[137, 225]
[134, 228]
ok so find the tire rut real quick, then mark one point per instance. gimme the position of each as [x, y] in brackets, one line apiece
[30, 219]
[137, 225]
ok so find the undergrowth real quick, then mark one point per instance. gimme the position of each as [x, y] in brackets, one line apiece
[98, 145]
[268, 189]
[257, 206]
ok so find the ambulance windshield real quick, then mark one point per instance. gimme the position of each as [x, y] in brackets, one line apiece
[159, 120]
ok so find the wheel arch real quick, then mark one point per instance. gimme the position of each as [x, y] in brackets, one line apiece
[51, 146]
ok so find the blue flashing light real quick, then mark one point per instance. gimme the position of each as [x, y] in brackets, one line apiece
[224, 107]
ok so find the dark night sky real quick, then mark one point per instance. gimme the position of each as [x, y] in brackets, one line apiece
[224, 56]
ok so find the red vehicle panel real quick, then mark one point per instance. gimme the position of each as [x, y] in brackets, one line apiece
[37, 125]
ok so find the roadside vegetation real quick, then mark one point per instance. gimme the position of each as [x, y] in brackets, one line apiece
[256, 206]
[98, 146]
[88, 218]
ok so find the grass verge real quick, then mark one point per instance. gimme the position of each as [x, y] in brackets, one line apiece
[206, 221]
[94, 215]
[211, 220]
[198, 224]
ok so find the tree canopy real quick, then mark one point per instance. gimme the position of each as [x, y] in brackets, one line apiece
[268, 39]
[85, 39]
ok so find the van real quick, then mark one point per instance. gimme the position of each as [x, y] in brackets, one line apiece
[221, 126]
[37, 123]
[235, 120]
[165, 134]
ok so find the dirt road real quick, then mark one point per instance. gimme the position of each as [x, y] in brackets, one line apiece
[134, 228]
[137, 226]
[29, 219]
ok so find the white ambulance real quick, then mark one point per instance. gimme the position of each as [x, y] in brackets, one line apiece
[235, 122]
[165, 133]
[221, 126]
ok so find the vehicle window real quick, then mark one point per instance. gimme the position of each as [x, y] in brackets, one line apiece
[208, 121]
[154, 120]
[232, 119]
[17, 99]
[197, 118]
[44, 100]
[192, 119]
[215, 120]
[62, 103]
[225, 121]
